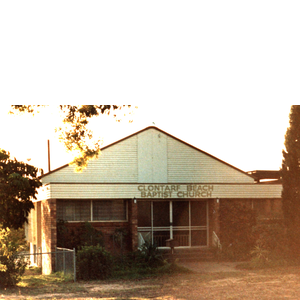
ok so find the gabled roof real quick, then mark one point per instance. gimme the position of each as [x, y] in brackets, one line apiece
[158, 129]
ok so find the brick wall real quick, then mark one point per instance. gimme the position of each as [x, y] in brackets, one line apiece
[213, 217]
[48, 230]
[133, 224]
[108, 229]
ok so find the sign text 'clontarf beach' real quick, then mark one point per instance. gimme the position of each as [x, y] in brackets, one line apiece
[176, 190]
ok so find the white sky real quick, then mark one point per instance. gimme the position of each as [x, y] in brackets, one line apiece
[220, 75]
[249, 137]
[128, 51]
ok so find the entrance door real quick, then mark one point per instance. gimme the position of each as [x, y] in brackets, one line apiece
[181, 222]
[184, 221]
[161, 222]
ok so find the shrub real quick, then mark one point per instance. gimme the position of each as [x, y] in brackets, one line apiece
[93, 262]
[236, 222]
[146, 260]
[63, 235]
[144, 263]
[260, 257]
[150, 255]
[12, 266]
[85, 235]
[271, 246]
[272, 237]
[120, 239]
[89, 235]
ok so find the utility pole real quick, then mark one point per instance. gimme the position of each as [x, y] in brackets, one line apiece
[49, 167]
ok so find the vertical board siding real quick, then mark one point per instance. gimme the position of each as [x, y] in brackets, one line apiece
[160, 157]
[145, 154]
[186, 164]
[152, 157]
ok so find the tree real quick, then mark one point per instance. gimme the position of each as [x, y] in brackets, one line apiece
[75, 133]
[291, 180]
[12, 266]
[18, 185]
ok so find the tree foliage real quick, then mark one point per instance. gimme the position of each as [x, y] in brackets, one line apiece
[18, 185]
[94, 262]
[291, 180]
[12, 266]
[75, 133]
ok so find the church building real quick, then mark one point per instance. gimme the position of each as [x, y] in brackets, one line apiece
[151, 184]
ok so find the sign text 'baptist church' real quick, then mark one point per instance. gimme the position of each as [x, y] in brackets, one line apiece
[176, 190]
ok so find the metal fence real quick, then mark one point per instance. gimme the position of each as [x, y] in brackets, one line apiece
[65, 260]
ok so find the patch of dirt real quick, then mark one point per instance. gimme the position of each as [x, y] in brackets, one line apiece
[211, 267]
[280, 283]
[92, 288]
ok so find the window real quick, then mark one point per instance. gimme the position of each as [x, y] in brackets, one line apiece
[91, 210]
[109, 210]
[180, 213]
[144, 213]
[184, 221]
[73, 210]
[198, 213]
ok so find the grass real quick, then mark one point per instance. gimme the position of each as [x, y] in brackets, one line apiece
[37, 280]
[33, 277]
[137, 272]
[34, 283]
[58, 286]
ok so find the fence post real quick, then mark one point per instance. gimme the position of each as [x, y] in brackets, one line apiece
[74, 262]
[38, 258]
[64, 261]
[56, 259]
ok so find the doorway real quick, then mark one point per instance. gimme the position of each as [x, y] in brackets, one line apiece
[184, 221]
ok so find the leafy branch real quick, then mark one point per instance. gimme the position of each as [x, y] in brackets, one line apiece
[75, 134]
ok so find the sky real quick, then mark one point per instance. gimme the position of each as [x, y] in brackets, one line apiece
[249, 137]
[220, 75]
[149, 51]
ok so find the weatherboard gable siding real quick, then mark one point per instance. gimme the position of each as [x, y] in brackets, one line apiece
[151, 156]
[165, 159]
[187, 164]
[117, 163]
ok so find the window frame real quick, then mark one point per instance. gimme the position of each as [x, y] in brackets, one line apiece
[91, 210]
[117, 220]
